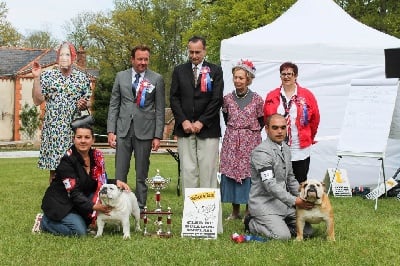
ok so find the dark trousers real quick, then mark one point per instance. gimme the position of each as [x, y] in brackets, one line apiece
[141, 150]
[300, 169]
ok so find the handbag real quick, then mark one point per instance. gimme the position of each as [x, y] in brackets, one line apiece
[82, 117]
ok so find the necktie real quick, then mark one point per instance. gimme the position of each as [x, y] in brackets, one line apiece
[195, 74]
[135, 84]
[287, 116]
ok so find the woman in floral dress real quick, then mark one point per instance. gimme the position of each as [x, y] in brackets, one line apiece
[64, 89]
[243, 114]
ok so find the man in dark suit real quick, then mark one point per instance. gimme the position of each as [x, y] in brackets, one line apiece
[136, 118]
[196, 98]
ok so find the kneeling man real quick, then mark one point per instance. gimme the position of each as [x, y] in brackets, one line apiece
[274, 189]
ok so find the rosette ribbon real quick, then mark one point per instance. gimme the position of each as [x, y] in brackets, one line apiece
[205, 85]
[141, 97]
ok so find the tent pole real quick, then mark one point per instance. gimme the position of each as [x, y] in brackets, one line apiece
[334, 174]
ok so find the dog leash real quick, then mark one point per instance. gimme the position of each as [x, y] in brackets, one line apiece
[176, 157]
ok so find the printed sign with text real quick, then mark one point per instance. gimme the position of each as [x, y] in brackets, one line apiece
[200, 213]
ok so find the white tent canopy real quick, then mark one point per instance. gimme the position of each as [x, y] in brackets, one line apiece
[330, 48]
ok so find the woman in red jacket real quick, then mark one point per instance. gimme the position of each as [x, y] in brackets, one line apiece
[299, 106]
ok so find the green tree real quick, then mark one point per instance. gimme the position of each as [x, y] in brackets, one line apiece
[30, 120]
[9, 36]
[115, 35]
[77, 29]
[100, 107]
[171, 19]
[383, 15]
[40, 40]
[78, 34]
[222, 19]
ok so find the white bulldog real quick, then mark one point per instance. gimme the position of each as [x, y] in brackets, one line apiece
[123, 204]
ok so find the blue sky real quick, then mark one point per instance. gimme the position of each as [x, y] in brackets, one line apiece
[32, 15]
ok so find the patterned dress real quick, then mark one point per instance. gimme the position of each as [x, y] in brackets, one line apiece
[61, 94]
[242, 135]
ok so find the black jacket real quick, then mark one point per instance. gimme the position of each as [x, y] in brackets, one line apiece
[58, 201]
[189, 103]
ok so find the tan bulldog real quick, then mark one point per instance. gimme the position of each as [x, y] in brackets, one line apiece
[314, 191]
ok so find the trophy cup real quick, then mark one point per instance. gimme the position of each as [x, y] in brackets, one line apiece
[158, 183]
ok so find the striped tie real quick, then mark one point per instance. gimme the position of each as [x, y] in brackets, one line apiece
[289, 130]
[135, 84]
[195, 74]
[287, 116]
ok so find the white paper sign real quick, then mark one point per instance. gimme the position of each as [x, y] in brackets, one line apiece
[201, 213]
[368, 118]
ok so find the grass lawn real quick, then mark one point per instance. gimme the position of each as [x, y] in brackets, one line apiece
[364, 236]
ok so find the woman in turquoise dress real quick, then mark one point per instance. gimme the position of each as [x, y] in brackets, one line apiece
[65, 89]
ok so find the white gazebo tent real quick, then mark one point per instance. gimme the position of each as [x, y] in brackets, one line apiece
[330, 48]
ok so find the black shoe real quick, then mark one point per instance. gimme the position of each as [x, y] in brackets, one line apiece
[292, 230]
[246, 222]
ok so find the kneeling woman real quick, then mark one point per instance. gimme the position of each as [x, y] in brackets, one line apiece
[70, 202]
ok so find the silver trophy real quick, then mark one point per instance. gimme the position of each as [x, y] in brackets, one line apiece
[158, 183]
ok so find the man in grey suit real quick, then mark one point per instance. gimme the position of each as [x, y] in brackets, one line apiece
[136, 118]
[274, 190]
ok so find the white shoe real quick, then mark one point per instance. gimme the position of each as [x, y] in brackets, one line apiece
[36, 226]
